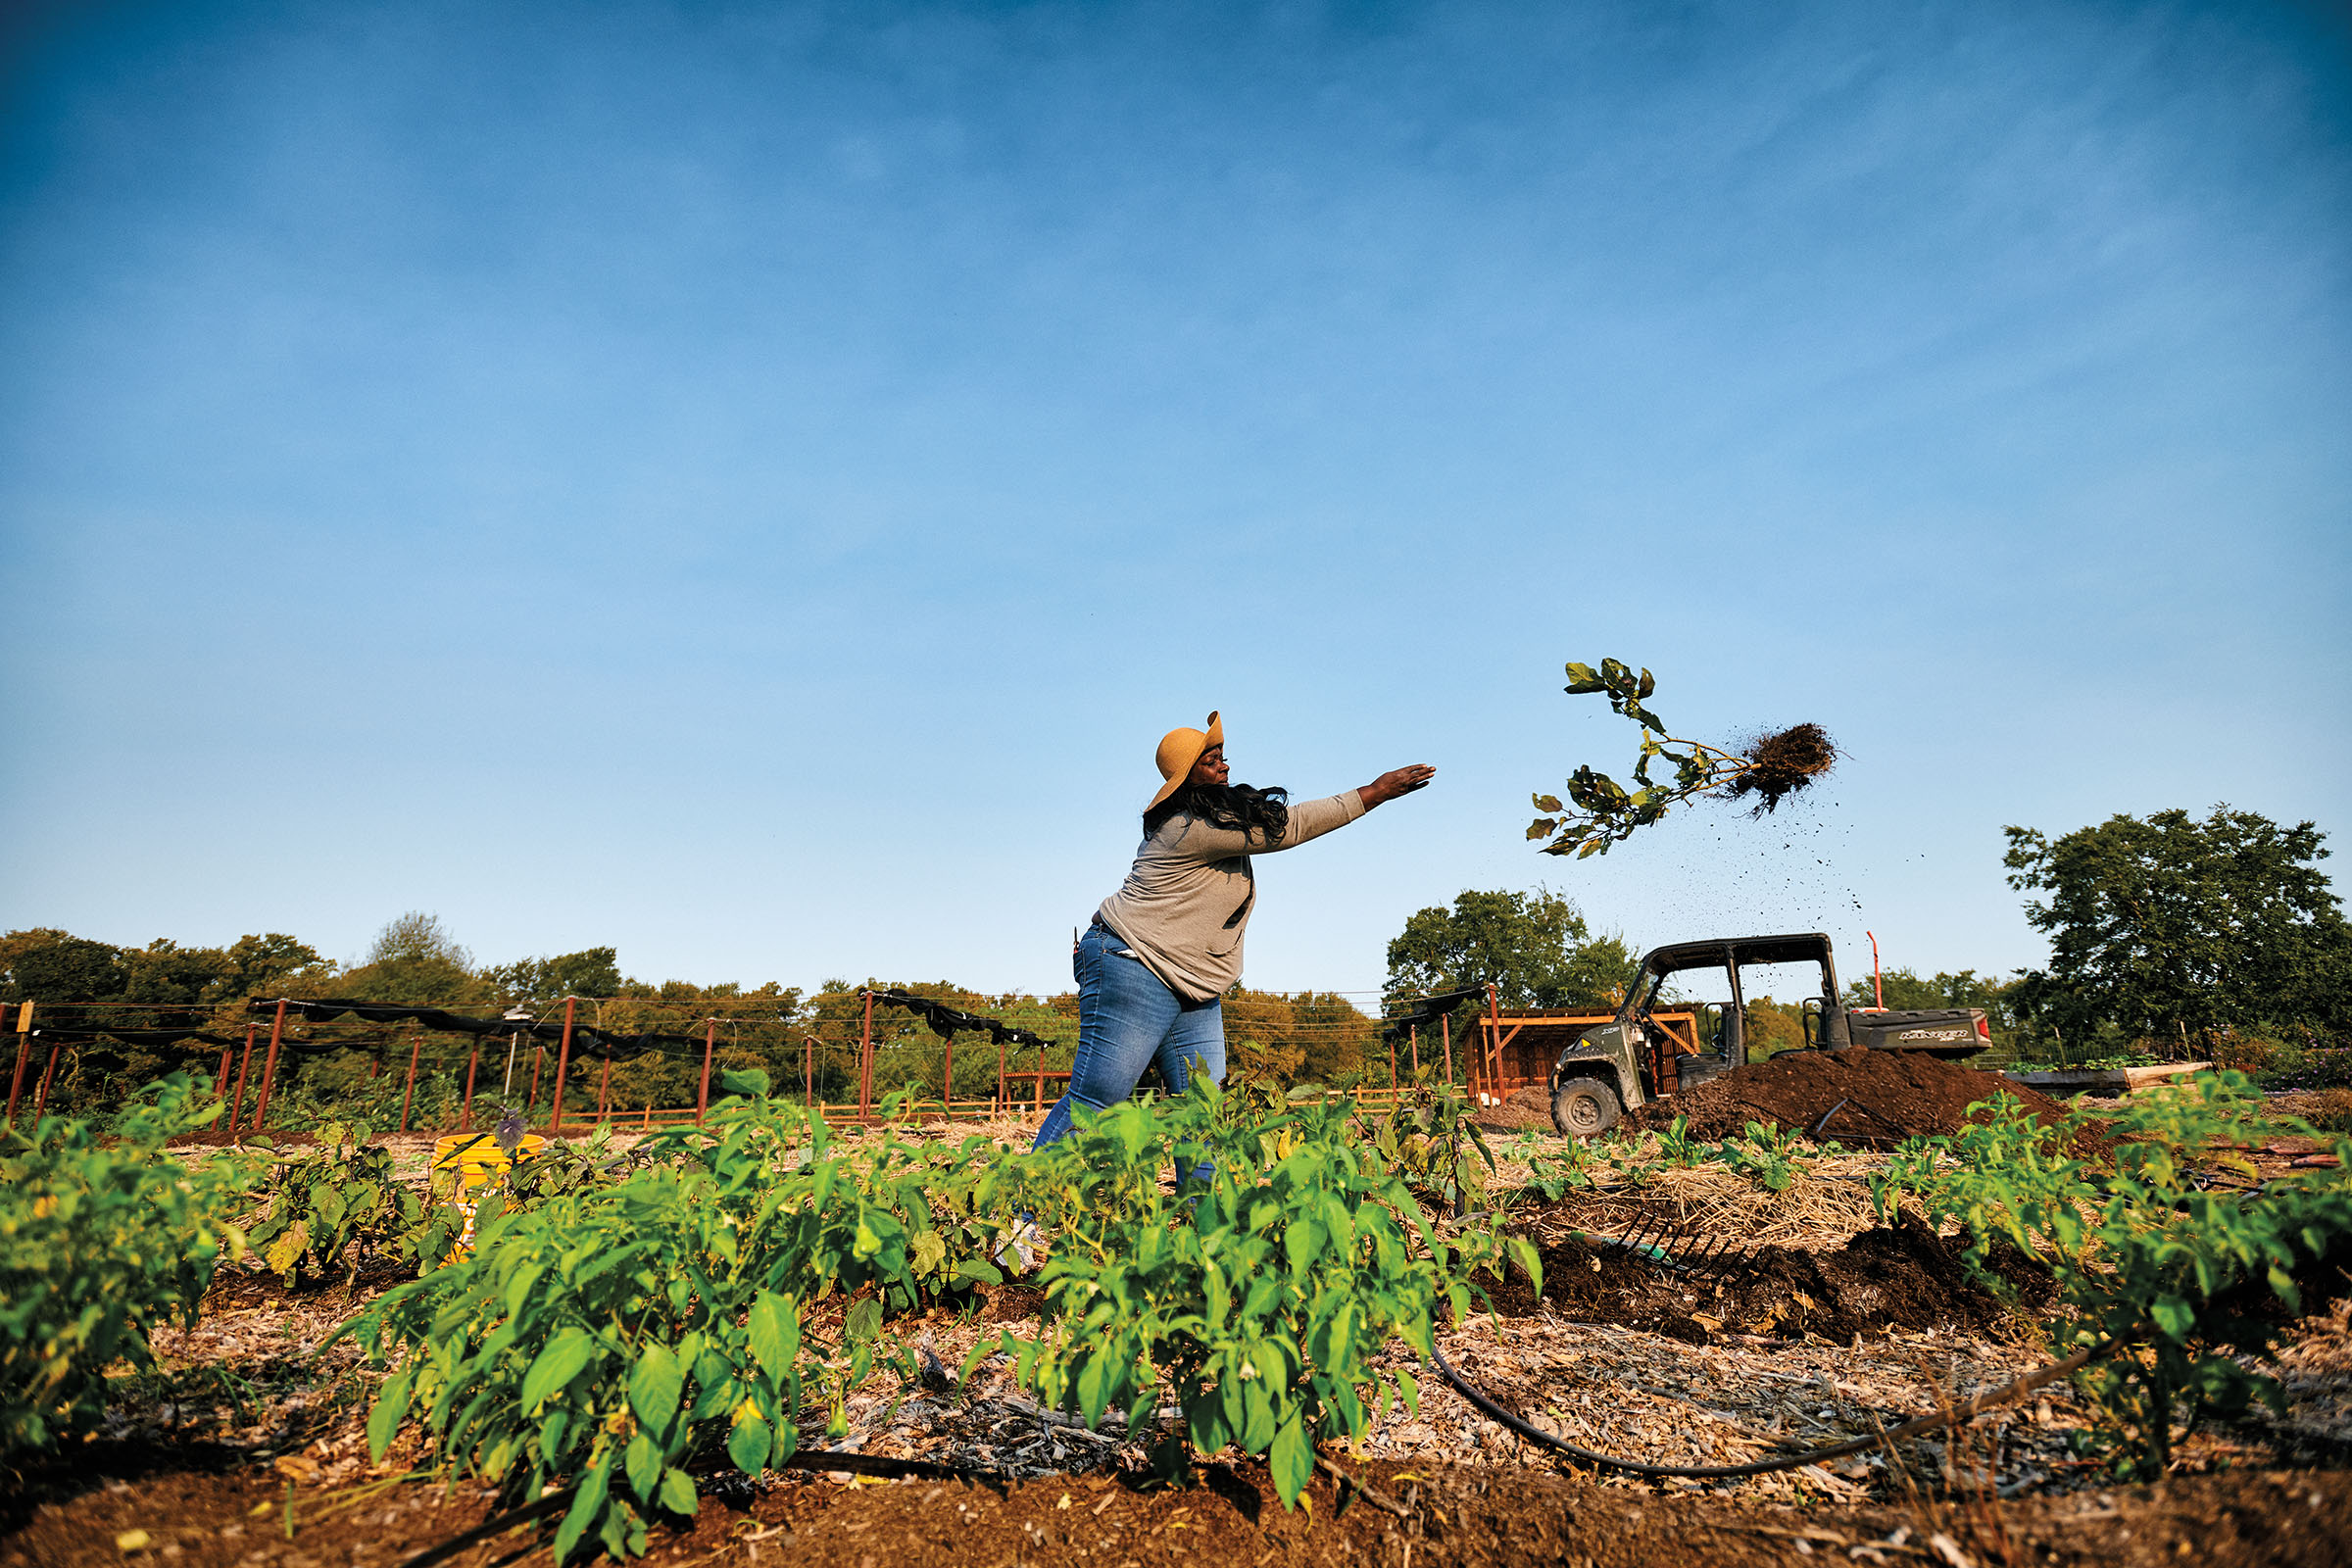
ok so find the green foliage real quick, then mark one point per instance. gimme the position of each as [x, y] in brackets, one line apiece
[1534, 949]
[1425, 1135]
[600, 1339]
[1262, 1293]
[331, 1204]
[1764, 1154]
[1313, 1036]
[590, 972]
[2175, 925]
[100, 1241]
[1552, 1176]
[2143, 1254]
[1676, 1148]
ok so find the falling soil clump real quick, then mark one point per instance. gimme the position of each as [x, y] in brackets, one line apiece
[1900, 1276]
[1782, 764]
[1869, 1099]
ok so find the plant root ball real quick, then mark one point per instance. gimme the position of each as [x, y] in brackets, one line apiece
[1780, 765]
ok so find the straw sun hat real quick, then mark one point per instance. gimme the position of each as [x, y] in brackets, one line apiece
[1179, 750]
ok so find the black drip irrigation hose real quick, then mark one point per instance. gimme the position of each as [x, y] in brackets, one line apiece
[1952, 1417]
[871, 1464]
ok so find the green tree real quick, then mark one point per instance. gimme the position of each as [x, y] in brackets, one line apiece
[2174, 925]
[416, 961]
[44, 964]
[590, 972]
[1311, 1035]
[272, 964]
[1534, 949]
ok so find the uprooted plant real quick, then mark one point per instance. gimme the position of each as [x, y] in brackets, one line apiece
[1769, 766]
[2150, 1254]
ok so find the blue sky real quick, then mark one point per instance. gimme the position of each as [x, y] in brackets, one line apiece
[749, 484]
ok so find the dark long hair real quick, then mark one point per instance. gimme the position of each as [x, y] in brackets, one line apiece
[1226, 805]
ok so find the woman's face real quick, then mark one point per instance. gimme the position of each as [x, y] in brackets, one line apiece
[1211, 769]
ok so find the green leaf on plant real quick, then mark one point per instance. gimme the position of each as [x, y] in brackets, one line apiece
[748, 1444]
[1292, 1459]
[566, 1354]
[656, 1383]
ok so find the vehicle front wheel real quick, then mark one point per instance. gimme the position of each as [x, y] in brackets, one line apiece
[1585, 1107]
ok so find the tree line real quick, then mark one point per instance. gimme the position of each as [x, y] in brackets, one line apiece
[2219, 934]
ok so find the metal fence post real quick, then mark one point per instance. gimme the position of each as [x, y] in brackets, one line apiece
[702, 1099]
[278, 1029]
[472, 1062]
[16, 1085]
[555, 1124]
[236, 1107]
[40, 1100]
[865, 1062]
[416, 1048]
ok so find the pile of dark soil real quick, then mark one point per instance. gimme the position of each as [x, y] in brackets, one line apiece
[1522, 1109]
[1902, 1276]
[1782, 764]
[1855, 1097]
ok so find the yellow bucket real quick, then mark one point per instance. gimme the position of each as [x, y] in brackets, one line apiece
[479, 1161]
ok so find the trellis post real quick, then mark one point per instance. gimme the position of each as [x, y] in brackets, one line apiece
[555, 1123]
[408, 1098]
[865, 1062]
[16, 1085]
[702, 1099]
[236, 1107]
[472, 1062]
[278, 1029]
[40, 1100]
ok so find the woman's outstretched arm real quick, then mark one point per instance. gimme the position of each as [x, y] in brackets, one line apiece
[1396, 782]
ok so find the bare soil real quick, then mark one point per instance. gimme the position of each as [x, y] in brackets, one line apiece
[1433, 1515]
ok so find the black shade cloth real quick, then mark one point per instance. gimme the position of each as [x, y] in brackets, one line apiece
[1428, 1010]
[587, 1040]
[948, 1022]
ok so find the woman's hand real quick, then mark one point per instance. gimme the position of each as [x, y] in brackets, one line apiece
[1398, 781]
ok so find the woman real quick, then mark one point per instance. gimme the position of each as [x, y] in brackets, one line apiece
[1168, 945]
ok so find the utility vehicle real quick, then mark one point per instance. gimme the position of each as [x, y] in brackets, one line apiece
[1632, 1060]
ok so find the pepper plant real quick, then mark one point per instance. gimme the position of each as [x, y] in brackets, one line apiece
[330, 1204]
[102, 1239]
[604, 1336]
[2149, 1252]
[1262, 1295]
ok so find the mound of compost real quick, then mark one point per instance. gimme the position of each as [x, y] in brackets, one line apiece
[1855, 1097]
[1902, 1276]
[1522, 1109]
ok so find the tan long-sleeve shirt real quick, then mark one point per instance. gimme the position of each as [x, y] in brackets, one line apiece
[1189, 896]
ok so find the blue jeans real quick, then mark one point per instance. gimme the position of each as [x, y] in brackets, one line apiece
[1128, 1018]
